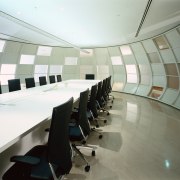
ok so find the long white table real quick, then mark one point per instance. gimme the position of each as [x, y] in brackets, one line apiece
[22, 111]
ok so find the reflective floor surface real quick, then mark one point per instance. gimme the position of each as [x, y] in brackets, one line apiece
[141, 141]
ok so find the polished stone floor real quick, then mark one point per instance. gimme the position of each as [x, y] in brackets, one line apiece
[141, 141]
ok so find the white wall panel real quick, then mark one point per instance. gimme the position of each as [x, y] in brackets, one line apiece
[158, 69]
[103, 69]
[129, 59]
[117, 86]
[137, 48]
[149, 46]
[25, 69]
[114, 51]
[69, 76]
[159, 81]
[102, 76]
[119, 78]
[154, 57]
[55, 69]
[167, 56]
[11, 53]
[145, 79]
[57, 56]
[29, 49]
[169, 96]
[173, 38]
[87, 61]
[42, 60]
[70, 69]
[177, 54]
[122, 77]
[102, 56]
[142, 59]
[177, 103]
[130, 88]
[119, 69]
[143, 90]
[70, 52]
[144, 69]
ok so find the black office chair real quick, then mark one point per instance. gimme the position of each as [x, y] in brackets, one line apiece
[52, 79]
[89, 76]
[42, 80]
[105, 94]
[14, 85]
[30, 82]
[79, 128]
[92, 107]
[59, 78]
[49, 161]
[99, 99]
[0, 89]
[109, 88]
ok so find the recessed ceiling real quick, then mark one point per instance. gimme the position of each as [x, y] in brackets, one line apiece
[83, 23]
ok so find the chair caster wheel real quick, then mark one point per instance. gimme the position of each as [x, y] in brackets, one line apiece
[110, 107]
[87, 168]
[97, 126]
[105, 121]
[93, 153]
[84, 142]
[108, 113]
[100, 136]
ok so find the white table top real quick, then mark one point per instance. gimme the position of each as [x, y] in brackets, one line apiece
[22, 111]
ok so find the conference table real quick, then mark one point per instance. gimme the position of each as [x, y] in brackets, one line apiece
[24, 110]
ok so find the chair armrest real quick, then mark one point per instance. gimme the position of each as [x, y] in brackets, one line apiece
[29, 160]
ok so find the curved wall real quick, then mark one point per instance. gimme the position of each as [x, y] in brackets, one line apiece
[150, 68]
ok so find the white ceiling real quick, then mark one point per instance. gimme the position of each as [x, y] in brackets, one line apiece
[85, 23]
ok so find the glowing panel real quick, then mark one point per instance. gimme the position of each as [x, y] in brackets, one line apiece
[27, 59]
[44, 51]
[71, 60]
[125, 50]
[8, 68]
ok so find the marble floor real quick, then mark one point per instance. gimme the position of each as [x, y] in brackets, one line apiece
[141, 141]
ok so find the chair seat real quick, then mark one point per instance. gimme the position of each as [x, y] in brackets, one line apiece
[75, 133]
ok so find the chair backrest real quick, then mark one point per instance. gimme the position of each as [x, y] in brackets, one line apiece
[107, 84]
[30, 82]
[89, 76]
[83, 119]
[0, 89]
[59, 150]
[110, 88]
[14, 85]
[98, 95]
[59, 78]
[92, 101]
[52, 79]
[42, 80]
[103, 89]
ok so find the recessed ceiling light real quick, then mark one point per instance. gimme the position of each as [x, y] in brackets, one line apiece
[18, 12]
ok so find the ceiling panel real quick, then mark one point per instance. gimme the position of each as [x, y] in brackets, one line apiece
[82, 23]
